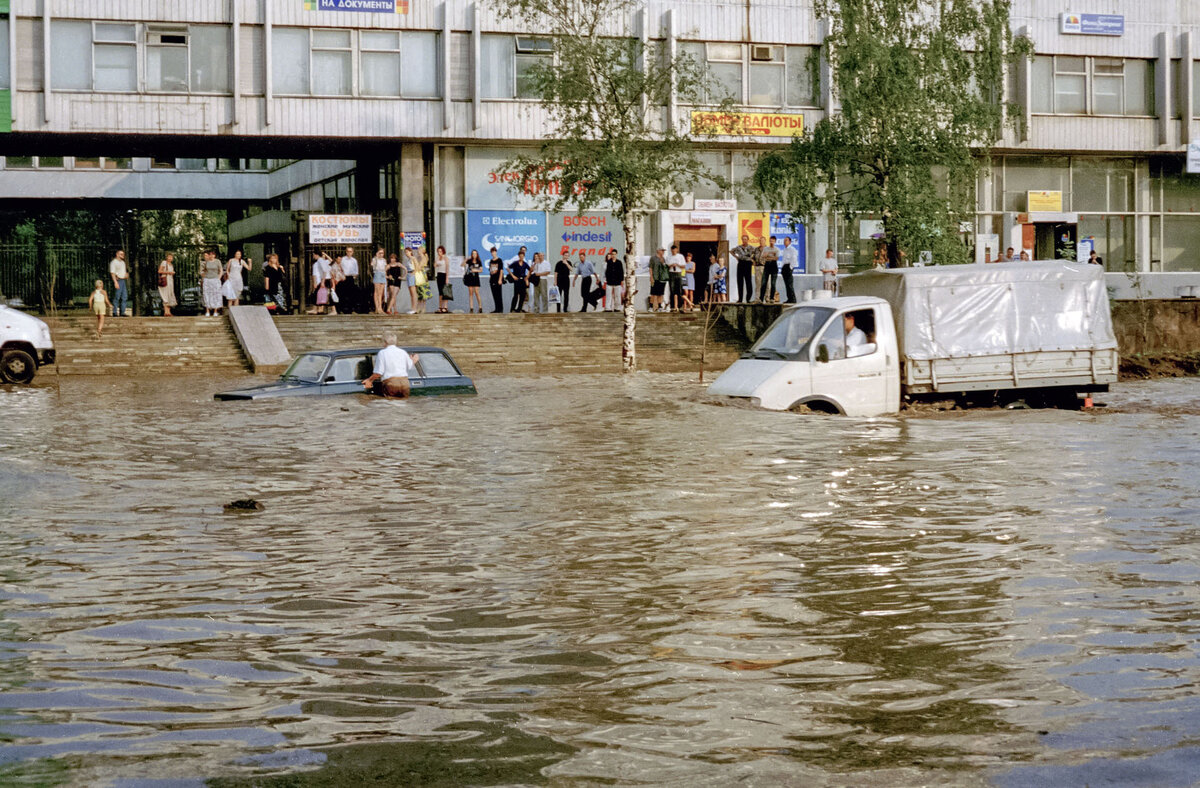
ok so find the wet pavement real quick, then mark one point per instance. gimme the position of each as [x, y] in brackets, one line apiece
[590, 579]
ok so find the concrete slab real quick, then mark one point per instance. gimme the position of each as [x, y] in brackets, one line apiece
[255, 330]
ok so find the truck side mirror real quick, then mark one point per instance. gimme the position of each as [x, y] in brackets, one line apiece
[823, 353]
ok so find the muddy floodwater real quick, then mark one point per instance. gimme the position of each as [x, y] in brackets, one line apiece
[590, 580]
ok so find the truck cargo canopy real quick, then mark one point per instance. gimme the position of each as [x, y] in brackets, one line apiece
[987, 309]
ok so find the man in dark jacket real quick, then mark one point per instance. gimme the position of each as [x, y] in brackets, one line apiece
[614, 278]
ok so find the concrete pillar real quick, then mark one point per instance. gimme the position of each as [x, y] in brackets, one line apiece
[412, 188]
[1188, 86]
[1162, 88]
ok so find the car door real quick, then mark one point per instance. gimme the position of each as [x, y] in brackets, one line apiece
[346, 374]
[853, 376]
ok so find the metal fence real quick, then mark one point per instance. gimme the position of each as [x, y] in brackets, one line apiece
[65, 274]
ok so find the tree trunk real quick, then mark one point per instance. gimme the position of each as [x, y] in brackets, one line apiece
[629, 223]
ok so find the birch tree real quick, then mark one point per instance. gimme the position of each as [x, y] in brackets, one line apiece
[607, 141]
[919, 83]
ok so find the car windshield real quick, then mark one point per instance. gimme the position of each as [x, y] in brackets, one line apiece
[788, 336]
[307, 368]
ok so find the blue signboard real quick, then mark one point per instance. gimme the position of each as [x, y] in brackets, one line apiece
[508, 231]
[781, 227]
[1092, 24]
[361, 6]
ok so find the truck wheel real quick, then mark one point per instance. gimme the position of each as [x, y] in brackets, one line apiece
[17, 366]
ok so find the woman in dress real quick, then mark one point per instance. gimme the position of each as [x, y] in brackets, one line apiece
[410, 265]
[276, 282]
[379, 279]
[473, 269]
[232, 289]
[395, 281]
[689, 283]
[166, 283]
[210, 275]
[441, 271]
[336, 277]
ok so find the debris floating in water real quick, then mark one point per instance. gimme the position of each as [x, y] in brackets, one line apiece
[245, 505]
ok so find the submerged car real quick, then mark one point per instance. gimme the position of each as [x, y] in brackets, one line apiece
[327, 372]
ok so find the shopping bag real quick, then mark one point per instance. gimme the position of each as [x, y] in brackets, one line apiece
[554, 294]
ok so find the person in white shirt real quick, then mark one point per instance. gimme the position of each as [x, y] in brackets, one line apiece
[676, 264]
[119, 272]
[829, 271]
[349, 299]
[321, 272]
[541, 291]
[789, 258]
[393, 365]
[856, 340]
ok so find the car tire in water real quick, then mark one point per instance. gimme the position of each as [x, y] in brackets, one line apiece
[16, 366]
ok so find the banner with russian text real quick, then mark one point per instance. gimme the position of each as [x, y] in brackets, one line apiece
[360, 6]
[742, 124]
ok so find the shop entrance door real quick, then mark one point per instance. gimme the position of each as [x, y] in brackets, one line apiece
[1054, 241]
[703, 241]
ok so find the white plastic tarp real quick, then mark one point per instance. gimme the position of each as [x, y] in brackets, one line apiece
[988, 309]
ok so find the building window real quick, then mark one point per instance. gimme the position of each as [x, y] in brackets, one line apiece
[5, 77]
[104, 56]
[332, 63]
[379, 62]
[187, 59]
[322, 63]
[1071, 85]
[1196, 88]
[508, 63]
[338, 195]
[756, 75]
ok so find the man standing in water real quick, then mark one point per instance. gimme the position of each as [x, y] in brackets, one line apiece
[392, 366]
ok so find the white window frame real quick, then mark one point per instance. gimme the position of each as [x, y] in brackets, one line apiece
[780, 61]
[530, 48]
[98, 42]
[186, 46]
[351, 48]
[356, 50]
[1090, 75]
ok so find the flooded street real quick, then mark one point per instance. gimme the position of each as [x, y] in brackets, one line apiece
[592, 580]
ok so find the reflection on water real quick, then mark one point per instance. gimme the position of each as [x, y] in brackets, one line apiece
[590, 579]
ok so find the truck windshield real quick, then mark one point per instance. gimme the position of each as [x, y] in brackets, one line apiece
[788, 337]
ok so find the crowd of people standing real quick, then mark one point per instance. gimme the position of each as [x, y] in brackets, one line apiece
[338, 283]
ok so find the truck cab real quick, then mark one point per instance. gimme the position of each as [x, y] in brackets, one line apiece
[25, 345]
[837, 355]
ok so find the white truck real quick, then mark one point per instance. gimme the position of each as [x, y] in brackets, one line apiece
[25, 345]
[1009, 331]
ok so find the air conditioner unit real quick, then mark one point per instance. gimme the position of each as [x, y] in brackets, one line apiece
[680, 201]
[762, 54]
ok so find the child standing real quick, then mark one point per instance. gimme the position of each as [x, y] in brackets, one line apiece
[719, 289]
[100, 305]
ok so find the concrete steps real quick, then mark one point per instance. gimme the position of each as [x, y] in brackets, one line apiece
[154, 345]
[522, 343]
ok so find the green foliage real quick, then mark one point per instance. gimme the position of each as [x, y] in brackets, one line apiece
[918, 82]
[604, 95]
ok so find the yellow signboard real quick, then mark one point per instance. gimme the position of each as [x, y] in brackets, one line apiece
[1045, 201]
[752, 124]
[755, 225]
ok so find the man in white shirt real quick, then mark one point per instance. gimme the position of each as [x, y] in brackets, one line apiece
[856, 340]
[789, 258]
[676, 264]
[392, 367]
[541, 291]
[829, 271]
[120, 278]
[350, 301]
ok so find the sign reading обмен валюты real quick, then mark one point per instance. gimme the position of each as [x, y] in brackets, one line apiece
[746, 124]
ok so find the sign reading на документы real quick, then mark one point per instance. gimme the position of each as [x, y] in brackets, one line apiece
[1092, 24]
[361, 6]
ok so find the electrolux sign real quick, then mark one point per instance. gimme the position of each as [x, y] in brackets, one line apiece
[361, 6]
[1092, 24]
[508, 231]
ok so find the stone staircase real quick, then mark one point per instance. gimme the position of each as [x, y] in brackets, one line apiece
[507, 344]
[145, 345]
[519, 344]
